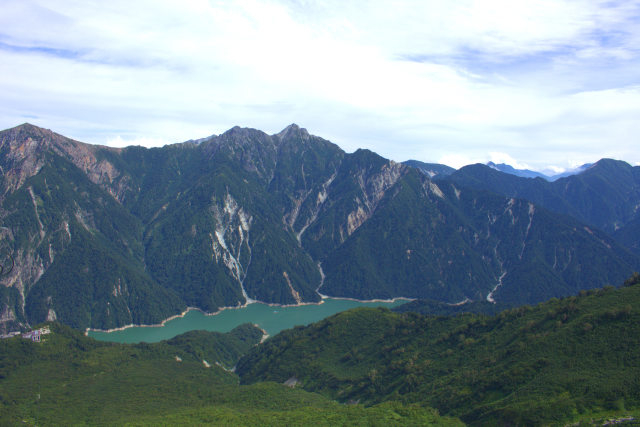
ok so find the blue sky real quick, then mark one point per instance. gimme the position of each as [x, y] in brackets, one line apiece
[547, 85]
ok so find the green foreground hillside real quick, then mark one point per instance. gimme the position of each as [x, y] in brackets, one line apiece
[557, 362]
[70, 379]
[563, 361]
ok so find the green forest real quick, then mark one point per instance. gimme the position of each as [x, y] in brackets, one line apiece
[570, 360]
[70, 379]
[554, 363]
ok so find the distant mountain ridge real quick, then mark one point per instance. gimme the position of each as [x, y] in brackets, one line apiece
[606, 195]
[570, 172]
[432, 170]
[524, 173]
[439, 171]
[527, 173]
[105, 237]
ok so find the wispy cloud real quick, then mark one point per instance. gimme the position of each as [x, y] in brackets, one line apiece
[548, 82]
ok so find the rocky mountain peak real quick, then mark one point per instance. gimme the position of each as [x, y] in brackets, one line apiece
[238, 136]
[24, 148]
[293, 131]
[27, 129]
[239, 132]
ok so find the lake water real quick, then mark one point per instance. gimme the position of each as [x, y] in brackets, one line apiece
[272, 319]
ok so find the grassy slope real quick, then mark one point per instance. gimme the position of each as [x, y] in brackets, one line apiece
[556, 362]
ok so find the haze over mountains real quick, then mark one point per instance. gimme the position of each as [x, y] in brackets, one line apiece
[527, 173]
[105, 237]
[437, 170]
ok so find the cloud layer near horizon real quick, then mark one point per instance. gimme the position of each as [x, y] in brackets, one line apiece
[551, 83]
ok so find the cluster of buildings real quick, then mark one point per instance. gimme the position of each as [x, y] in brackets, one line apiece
[34, 335]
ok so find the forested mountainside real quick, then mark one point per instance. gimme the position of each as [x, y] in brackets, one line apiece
[105, 237]
[551, 364]
[606, 195]
[69, 379]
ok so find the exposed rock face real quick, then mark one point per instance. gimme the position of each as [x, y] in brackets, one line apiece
[21, 156]
[373, 188]
[25, 146]
[254, 150]
[230, 241]
[104, 237]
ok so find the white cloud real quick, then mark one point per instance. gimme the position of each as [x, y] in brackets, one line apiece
[553, 170]
[497, 157]
[552, 81]
[118, 141]
[458, 160]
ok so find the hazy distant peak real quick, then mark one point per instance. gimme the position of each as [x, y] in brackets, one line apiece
[574, 171]
[524, 173]
[432, 170]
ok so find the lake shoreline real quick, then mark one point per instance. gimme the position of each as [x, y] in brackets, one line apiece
[221, 309]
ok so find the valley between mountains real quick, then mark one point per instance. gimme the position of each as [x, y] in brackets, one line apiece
[102, 237]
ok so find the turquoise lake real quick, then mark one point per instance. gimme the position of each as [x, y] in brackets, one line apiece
[272, 319]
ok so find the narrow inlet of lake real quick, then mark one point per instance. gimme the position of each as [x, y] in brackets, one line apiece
[272, 319]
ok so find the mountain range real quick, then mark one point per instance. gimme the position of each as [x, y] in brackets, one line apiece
[606, 195]
[527, 173]
[103, 237]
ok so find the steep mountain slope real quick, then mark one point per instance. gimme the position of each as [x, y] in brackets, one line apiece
[439, 242]
[104, 237]
[77, 251]
[606, 195]
[629, 235]
[551, 364]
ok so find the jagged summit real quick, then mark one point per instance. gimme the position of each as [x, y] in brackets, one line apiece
[292, 127]
[293, 130]
[241, 132]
